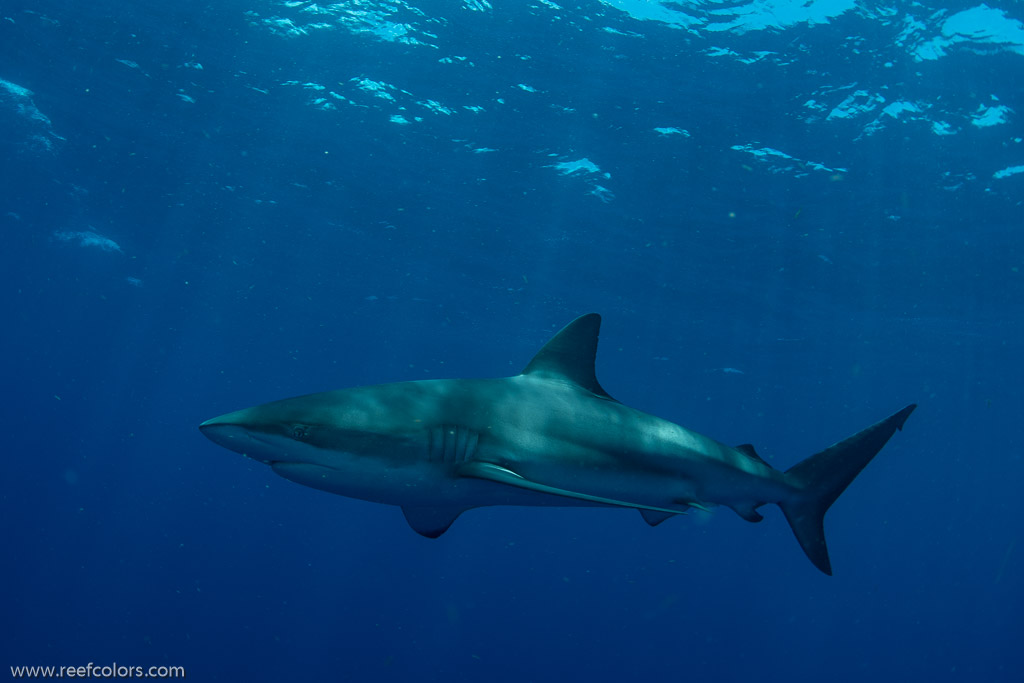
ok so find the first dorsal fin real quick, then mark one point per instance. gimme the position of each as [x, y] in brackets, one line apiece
[570, 355]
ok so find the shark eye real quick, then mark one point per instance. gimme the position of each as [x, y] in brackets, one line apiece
[300, 432]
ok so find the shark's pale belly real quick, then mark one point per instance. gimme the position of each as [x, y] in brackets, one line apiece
[417, 486]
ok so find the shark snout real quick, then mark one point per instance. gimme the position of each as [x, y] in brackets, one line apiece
[226, 432]
[244, 432]
[239, 431]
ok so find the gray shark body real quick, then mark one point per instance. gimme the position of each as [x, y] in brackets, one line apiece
[550, 436]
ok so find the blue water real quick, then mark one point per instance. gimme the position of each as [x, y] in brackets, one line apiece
[795, 217]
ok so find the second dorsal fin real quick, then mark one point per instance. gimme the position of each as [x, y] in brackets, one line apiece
[748, 450]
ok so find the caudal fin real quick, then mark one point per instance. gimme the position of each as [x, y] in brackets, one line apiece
[823, 477]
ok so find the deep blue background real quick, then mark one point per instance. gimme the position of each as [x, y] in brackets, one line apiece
[278, 248]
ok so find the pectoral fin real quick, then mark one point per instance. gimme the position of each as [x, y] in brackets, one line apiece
[503, 475]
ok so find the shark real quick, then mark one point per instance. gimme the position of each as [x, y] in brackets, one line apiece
[549, 436]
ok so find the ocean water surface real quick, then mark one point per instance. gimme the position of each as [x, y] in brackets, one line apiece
[795, 217]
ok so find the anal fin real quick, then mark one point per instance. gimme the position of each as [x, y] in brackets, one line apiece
[654, 518]
[748, 511]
